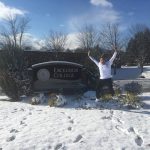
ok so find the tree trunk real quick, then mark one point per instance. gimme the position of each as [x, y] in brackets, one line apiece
[141, 68]
[115, 69]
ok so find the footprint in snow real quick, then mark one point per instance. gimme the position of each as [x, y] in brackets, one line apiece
[131, 130]
[24, 118]
[78, 138]
[62, 112]
[23, 123]
[13, 131]
[14, 111]
[69, 117]
[11, 138]
[39, 110]
[69, 128]
[138, 140]
[71, 121]
[58, 146]
[117, 120]
[21, 109]
[120, 121]
[30, 113]
[107, 117]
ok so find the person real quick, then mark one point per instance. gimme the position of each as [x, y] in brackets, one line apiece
[104, 66]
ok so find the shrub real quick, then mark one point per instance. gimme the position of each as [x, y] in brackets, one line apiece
[106, 97]
[117, 90]
[39, 99]
[35, 101]
[52, 100]
[56, 100]
[13, 73]
[132, 90]
[132, 100]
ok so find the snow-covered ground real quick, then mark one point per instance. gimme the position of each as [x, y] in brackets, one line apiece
[29, 127]
[82, 124]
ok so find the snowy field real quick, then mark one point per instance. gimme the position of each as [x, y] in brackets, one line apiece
[82, 124]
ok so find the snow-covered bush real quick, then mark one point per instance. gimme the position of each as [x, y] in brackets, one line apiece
[132, 90]
[35, 100]
[61, 101]
[117, 90]
[106, 97]
[39, 99]
[56, 100]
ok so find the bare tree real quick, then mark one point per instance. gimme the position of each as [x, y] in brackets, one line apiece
[13, 32]
[134, 29]
[111, 37]
[13, 67]
[88, 37]
[56, 41]
[23, 26]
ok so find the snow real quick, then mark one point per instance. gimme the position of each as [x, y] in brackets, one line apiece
[25, 126]
[82, 124]
[146, 74]
[56, 62]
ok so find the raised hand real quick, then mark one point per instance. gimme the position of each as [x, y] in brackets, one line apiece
[88, 53]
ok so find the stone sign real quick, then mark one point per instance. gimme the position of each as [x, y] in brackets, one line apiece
[57, 75]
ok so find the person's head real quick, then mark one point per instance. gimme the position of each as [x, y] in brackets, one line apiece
[103, 59]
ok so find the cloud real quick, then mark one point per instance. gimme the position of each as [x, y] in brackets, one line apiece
[95, 17]
[103, 3]
[37, 43]
[32, 41]
[131, 13]
[28, 40]
[104, 13]
[61, 25]
[5, 11]
[72, 41]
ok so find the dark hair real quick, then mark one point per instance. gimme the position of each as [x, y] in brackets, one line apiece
[104, 56]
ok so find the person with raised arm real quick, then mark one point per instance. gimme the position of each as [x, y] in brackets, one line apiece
[105, 79]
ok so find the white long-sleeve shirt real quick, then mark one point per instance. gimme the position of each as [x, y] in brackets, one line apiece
[105, 69]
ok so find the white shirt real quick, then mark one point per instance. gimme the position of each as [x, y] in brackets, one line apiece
[105, 69]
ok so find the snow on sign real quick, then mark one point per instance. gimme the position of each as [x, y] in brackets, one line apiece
[56, 75]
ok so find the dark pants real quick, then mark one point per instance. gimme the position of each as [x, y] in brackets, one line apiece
[104, 83]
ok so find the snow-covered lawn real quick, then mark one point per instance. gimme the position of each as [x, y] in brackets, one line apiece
[24, 126]
[75, 127]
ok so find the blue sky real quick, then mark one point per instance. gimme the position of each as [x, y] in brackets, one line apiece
[68, 15]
